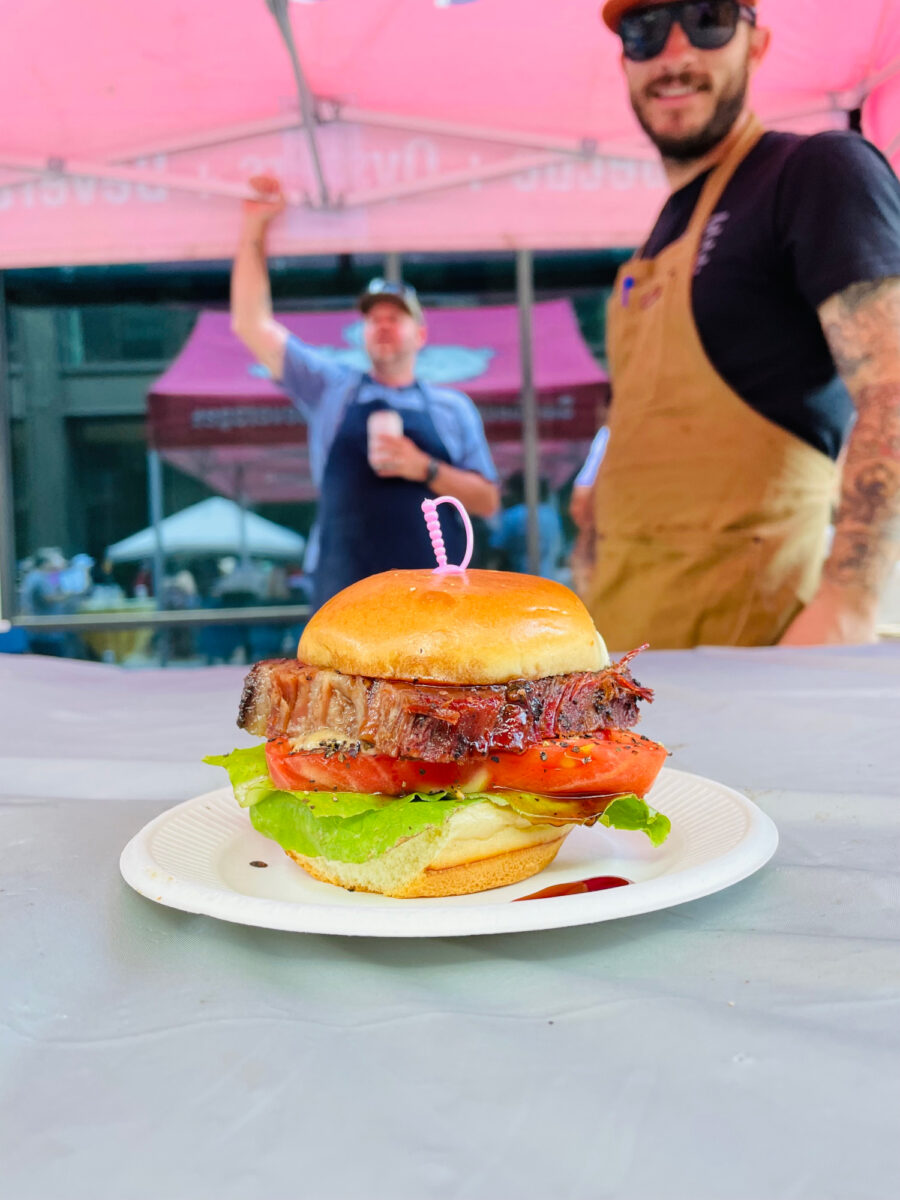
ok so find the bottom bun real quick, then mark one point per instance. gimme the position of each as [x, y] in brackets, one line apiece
[510, 849]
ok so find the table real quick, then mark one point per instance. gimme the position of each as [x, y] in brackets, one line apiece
[742, 1046]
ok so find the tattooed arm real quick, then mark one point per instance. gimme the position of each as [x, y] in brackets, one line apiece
[862, 325]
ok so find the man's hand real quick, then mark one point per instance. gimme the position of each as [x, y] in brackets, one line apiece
[581, 506]
[266, 205]
[398, 457]
[831, 619]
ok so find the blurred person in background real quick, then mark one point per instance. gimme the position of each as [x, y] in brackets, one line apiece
[43, 595]
[277, 590]
[370, 495]
[239, 583]
[42, 592]
[758, 321]
[581, 510]
[76, 580]
[180, 590]
[105, 586]
[143, 581]
[510, 535]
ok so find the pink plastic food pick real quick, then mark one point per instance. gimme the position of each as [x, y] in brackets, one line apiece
[433, 521]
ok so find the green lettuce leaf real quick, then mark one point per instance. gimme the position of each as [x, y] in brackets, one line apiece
[294, 820]
[249, 776]
[631, 812]
[622, 812]
[357, 826]
[248, 772]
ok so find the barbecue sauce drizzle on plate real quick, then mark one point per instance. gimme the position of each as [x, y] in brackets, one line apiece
[596, 883]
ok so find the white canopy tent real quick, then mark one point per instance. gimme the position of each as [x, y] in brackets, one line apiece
[214, 526]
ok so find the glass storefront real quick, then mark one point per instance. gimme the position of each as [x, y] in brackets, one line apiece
[79, 370]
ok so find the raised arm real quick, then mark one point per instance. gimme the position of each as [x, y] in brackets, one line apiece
[251, 297]
[862, 325]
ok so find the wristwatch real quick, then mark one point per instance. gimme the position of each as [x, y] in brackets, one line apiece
[431, 472]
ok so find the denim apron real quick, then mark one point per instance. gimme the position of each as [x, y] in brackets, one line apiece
[370, 524]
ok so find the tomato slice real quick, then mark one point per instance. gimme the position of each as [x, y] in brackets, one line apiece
[310, 770]
[612, 762]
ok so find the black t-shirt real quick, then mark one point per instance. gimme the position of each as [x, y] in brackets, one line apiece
[802, 219]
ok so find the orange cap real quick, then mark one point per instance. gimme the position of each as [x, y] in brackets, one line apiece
[613, 10]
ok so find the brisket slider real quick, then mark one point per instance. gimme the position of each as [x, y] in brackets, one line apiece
[443, 733]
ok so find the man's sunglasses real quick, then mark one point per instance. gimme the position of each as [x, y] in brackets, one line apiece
[708, 25]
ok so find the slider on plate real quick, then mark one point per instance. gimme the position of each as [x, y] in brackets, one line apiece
[441, 734]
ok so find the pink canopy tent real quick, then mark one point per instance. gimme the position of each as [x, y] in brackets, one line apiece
[130, 131]
[217, 415]
[407, 125]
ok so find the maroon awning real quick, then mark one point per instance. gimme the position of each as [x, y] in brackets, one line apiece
[215, 413]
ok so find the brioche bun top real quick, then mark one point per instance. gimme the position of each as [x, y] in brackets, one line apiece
[476, 627]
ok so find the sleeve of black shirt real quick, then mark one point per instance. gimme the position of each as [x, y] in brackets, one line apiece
[838, 215]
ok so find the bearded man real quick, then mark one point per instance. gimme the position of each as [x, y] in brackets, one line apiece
[371, 477]
[754, 344]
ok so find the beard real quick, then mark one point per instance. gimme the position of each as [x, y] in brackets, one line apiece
[383, 355]
[687, 147]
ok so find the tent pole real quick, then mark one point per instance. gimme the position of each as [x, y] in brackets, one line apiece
[155, 491]
[241, 497]
[7, 524]
[279, 10]
[393, 267]
[79, 169]
[450, 179]
[525, 297]
[221, 135]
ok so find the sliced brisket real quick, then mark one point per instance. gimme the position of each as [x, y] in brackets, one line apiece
[284, 697]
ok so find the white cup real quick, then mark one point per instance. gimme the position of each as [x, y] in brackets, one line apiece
[383, 422]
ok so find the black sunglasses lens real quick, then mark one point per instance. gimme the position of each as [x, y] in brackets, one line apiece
[645, 32]
[710, 24]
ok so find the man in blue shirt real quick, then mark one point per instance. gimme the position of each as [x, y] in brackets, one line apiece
[370, 515]
[510, 537]
[581, 510]
[581, 505]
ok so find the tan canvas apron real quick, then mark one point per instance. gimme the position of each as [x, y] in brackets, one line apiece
[711, 519]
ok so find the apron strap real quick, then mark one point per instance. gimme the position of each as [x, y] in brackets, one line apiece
[738, 146]
[425, 393]
[353, 395]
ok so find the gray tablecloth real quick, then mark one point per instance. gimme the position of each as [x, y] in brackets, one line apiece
[742, 1046]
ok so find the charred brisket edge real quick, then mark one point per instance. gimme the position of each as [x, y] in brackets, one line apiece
[516, 690]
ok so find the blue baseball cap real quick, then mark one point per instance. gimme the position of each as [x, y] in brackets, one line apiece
[403, 294]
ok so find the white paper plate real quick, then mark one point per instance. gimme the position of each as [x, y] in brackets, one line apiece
[198, 857]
